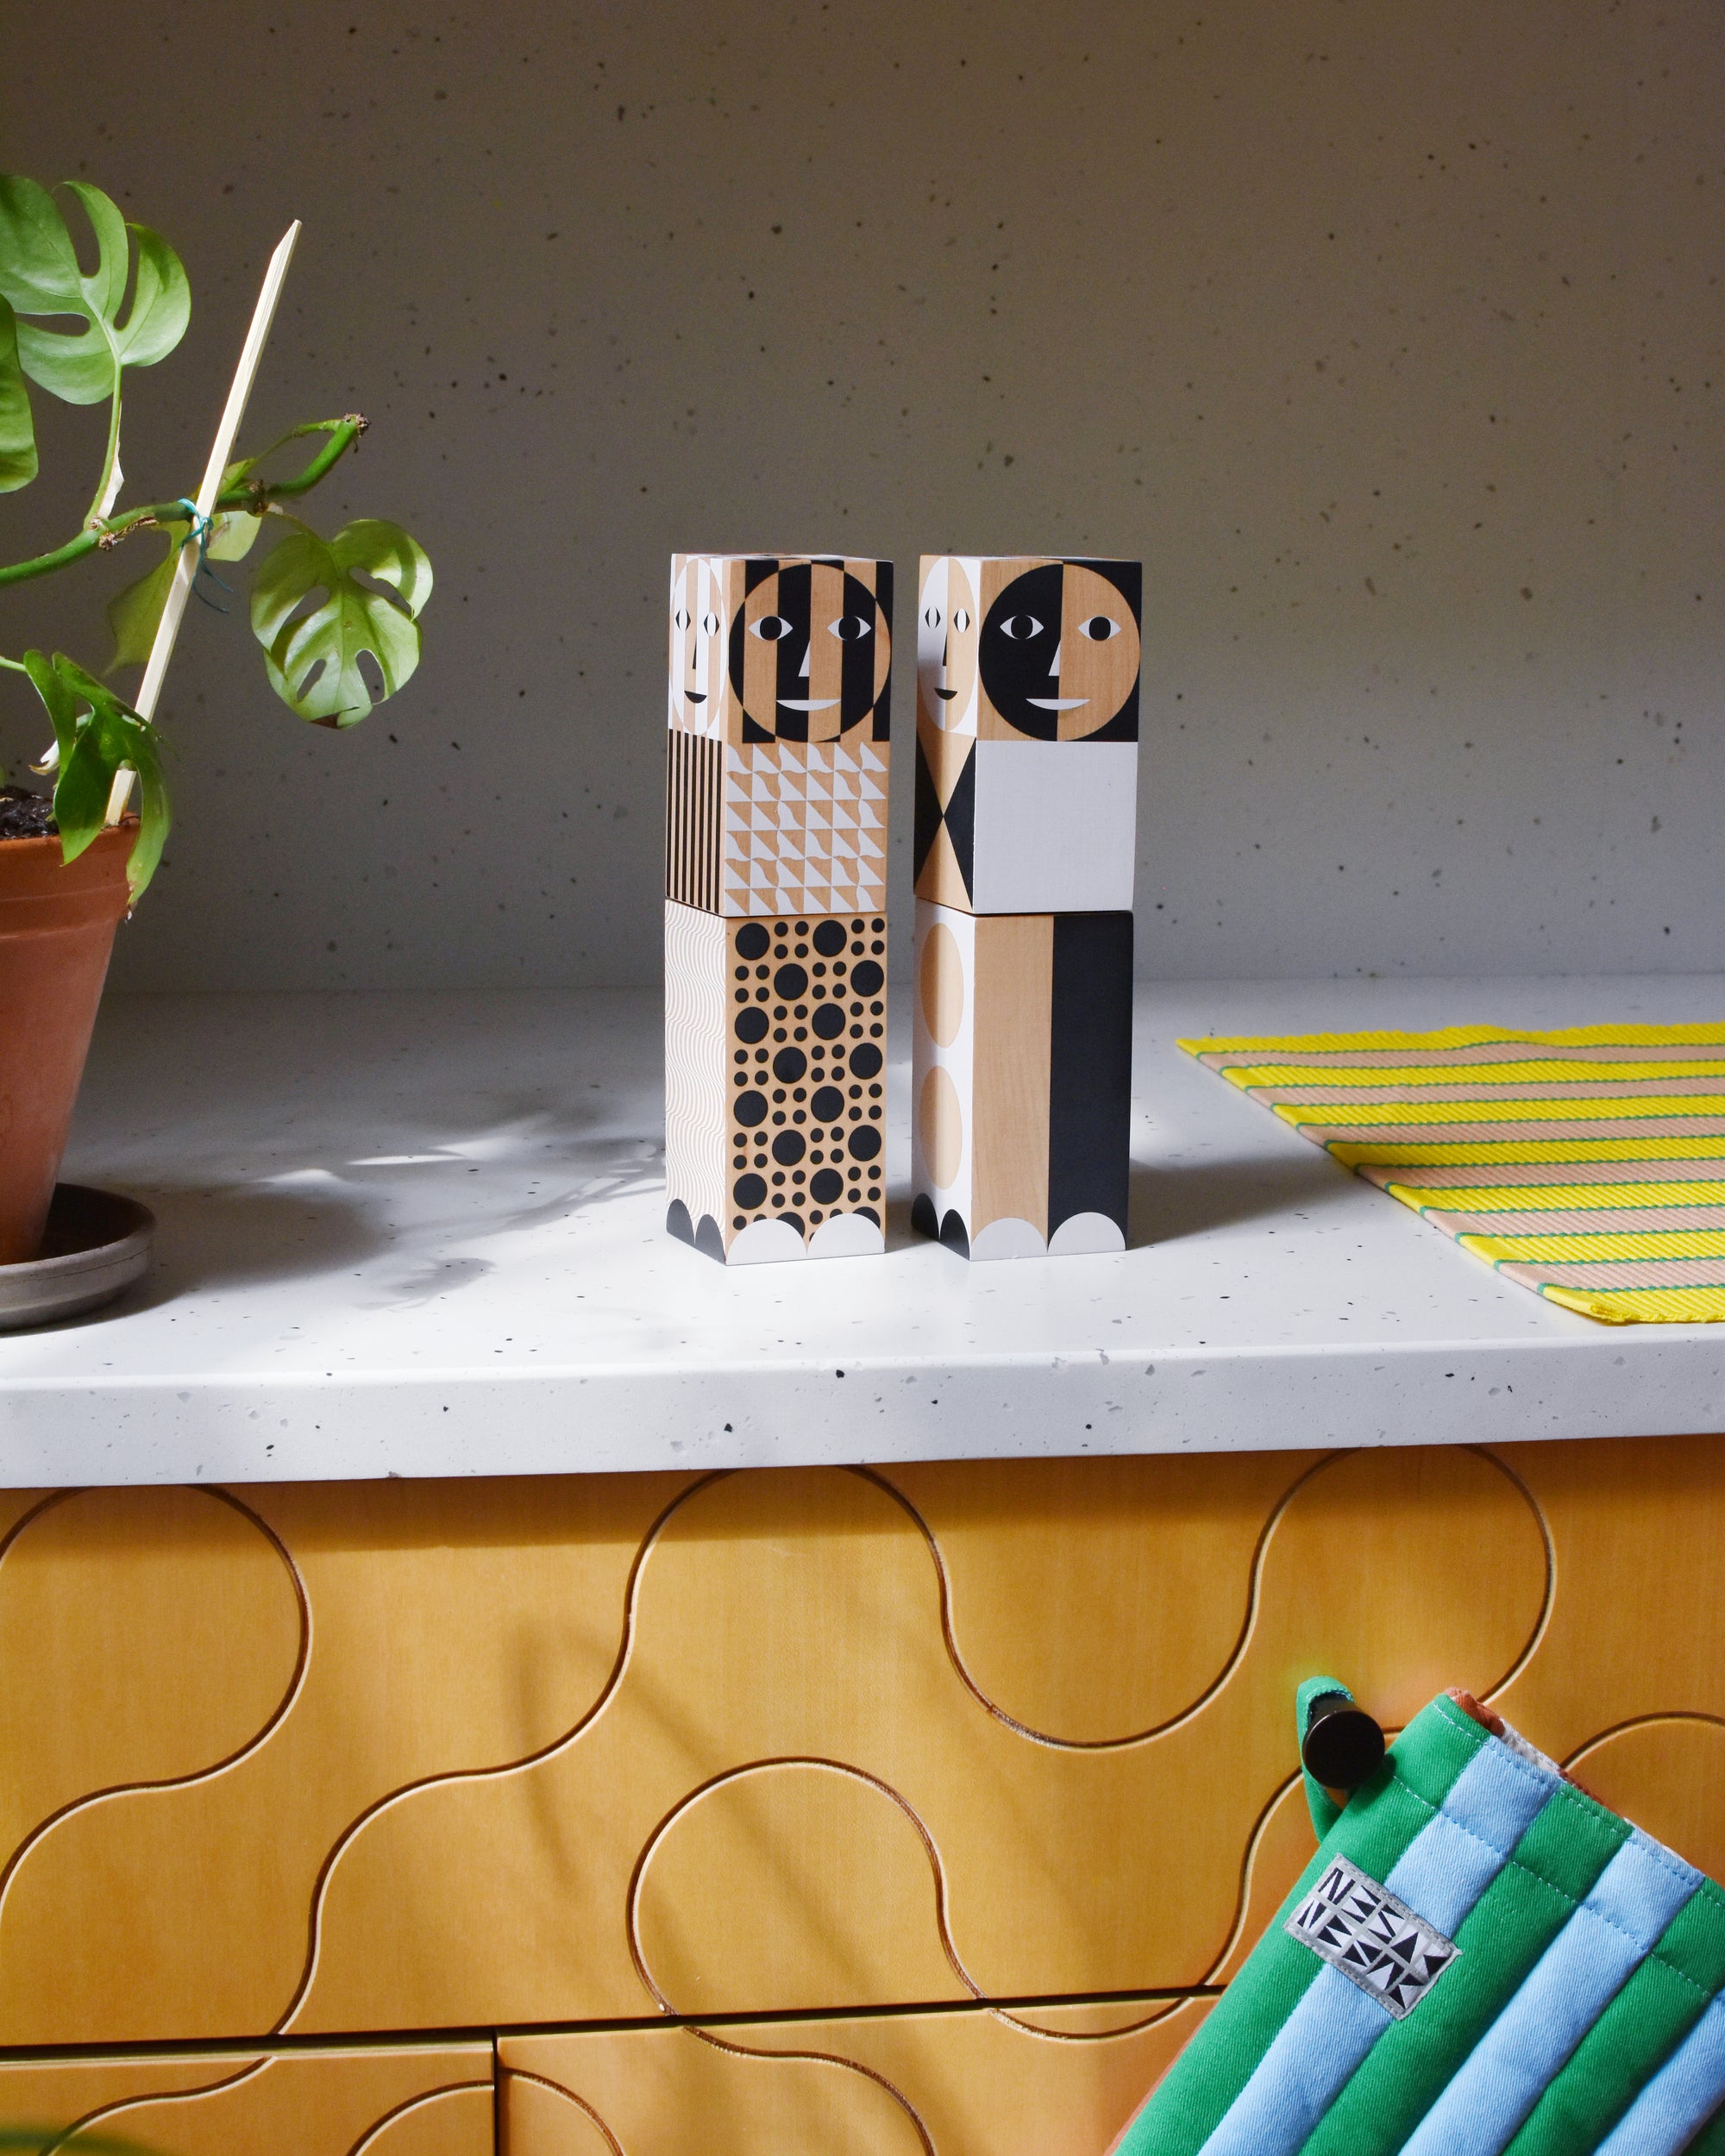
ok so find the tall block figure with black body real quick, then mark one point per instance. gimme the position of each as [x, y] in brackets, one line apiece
[775, 900]
[1026, 831]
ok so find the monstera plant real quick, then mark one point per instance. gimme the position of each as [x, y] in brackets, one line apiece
[337, 619]
[318, 607]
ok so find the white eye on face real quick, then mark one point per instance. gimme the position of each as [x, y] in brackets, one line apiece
[1099, 629]
[1021, 627]
[930, 617]
[850, 629]
[681, 617]
[771, 629]
[961, 621]
[710, 625]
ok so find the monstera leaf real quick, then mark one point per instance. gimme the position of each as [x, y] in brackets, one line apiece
[40, 275]
[312, 646]
[96, 737]
[17, 431]
[135, 614]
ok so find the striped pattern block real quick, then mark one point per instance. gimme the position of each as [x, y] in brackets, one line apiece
[1588, 1165]
[1581, 2010]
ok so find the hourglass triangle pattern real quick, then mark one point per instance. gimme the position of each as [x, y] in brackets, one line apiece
[805, 829]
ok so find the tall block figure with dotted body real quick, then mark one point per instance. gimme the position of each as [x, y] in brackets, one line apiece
[1025, 845]
[776, 930]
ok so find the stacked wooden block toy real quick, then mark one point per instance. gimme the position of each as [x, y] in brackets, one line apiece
[1027, 793]
[775, 861]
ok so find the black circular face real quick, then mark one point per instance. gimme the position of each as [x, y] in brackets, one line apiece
[828, 1104]
[866, 979]
[1059, 652]
[788, 1065]
[810, 652]
[829, 939]
[752, 940]
[790, 982]
[828, 1022]
[787, 1148]
[751, 1191]
[751, 1024]
[865, 1060]
[751, 1109]
[824, 1185]
[865, 1142]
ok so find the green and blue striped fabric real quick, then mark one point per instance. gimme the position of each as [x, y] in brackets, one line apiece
[1480, 1958]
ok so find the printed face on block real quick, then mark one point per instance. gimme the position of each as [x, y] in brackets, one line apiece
[1022, 648]
[697, 619]
[780, 647]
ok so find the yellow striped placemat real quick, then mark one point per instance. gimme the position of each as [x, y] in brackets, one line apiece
[1588, 1165]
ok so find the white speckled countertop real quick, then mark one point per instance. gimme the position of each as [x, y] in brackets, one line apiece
[423, 1235]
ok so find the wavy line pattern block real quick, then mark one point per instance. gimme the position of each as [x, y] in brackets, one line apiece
[961, 2084]
[571, 1748]
[409, 2100]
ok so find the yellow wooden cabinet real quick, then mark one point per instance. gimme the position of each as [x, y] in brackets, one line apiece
[396, 2100]
[340, 1760]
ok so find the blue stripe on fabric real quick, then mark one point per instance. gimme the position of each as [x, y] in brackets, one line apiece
[1575, 1980]
[1440, 1875]
[1680, 2098]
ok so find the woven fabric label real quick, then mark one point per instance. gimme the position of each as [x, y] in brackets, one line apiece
[1377, 1942]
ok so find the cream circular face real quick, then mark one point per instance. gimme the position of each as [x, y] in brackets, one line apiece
[946, 647]
[697, 672]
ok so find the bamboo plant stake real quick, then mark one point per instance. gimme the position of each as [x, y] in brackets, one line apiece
[186, 566]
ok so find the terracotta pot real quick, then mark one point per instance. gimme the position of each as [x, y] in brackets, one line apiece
[56, 931]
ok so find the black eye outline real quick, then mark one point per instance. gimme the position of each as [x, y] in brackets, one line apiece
[961, 620]
[854, 623]
[681, 620]
[709, 623]
[1012, 629]
[767, 622]
[1111, 629]
[930, 617]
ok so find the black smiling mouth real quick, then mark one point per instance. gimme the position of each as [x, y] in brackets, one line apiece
[946, 695]
[694, 696]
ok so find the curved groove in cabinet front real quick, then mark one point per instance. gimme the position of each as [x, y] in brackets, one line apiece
[841, 1767]
[1254, 1581]
[1542, 1622]
[105, 2112]
[373, 2133]
[828, 2058]
[555, 2088]
[253, 1744]
[607, 1691]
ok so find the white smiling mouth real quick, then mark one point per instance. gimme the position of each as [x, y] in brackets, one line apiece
[806, 703]
[1057, 703]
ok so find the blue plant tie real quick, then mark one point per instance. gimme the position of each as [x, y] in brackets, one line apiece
[200, 534]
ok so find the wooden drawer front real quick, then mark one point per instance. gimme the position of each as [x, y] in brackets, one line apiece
[401, 2101]
[968, 2083]
[396, 1756]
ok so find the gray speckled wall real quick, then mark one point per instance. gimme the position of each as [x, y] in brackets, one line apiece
[1389, 334]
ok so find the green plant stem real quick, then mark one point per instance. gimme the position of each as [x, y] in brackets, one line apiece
[253, 495]
[99, 500]
[14, 666]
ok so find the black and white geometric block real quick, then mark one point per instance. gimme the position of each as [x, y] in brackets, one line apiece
[1377, 1942]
